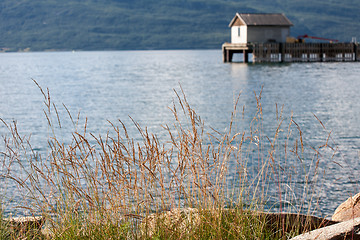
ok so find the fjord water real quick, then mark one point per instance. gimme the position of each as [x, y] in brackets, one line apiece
[107, 86]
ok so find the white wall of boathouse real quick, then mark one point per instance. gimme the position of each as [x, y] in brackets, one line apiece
[239, 34]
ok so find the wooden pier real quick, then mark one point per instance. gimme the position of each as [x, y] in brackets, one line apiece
[293, 52]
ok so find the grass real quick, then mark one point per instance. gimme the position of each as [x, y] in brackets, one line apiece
[4, 228]
[113, 187]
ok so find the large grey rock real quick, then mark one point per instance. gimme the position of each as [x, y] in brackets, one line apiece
[340, 231]
[22, 228]
[183, 220]
[187, 219]
[348, 210]
[21, 223]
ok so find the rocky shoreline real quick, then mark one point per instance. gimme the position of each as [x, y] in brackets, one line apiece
[345, 223]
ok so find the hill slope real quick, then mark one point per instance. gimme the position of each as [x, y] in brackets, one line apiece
[158, 24]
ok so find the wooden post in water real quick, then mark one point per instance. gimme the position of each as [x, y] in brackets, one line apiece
[282, 52]
[229, 55]
[246, 56]
[321, 54]
[226, 55]
[223, 54]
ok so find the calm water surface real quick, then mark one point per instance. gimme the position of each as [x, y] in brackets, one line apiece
[114, 85]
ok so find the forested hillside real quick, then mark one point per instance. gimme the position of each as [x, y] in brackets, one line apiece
[158, 24]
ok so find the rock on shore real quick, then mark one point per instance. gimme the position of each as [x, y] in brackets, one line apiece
[349, 209]
[340, 231]
[348, 214]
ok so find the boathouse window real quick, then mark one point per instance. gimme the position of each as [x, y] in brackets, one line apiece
[238, 31]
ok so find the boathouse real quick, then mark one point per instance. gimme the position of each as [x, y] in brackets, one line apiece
[259, 28]
[265, 37]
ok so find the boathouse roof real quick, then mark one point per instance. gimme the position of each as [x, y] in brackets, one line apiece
[260, 19]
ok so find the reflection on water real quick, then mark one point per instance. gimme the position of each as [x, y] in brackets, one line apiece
[114, 85]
